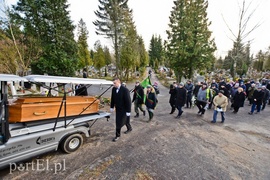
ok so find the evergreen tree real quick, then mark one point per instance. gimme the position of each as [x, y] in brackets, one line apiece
[143, 56]
[108, 58]
[259, 61]
[99, 57]
[156, 52]
[189, 46]
[129, 47]
[49, 22]
[110, 23]
[219, 63]
[83, 52]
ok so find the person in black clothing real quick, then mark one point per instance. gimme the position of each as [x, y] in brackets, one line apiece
[189, 88]
[138, 99]
[257, 99]
[265, 96]
[151, 101]
[238, 99]
[221, 83]
[81, 90]
[172, 100]
[268, 87]
[196, 89]
[85, 74]
[120, 100]
[248, 85]
[226, 92]
[181, 96]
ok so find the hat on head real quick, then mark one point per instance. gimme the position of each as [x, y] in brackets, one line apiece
[259, 87]
[149, 86]
[221, 91]
[181, 84]
[156, 83]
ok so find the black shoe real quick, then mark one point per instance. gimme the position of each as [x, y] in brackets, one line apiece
[115, 139]
[250, 113]
[137, 115]
[171, 112]
[127, 131]
[222, 122]
[143, 113]
[177, 117]
[213, 121]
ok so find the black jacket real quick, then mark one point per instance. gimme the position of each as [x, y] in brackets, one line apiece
[138, 94]
[151, 100]
[172, 93]
[122, 103]
[181, 96]
[239, 99]
[258, 95]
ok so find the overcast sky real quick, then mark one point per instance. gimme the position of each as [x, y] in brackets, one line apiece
[152, 17]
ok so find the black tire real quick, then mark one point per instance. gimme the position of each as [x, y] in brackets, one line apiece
[71, 143]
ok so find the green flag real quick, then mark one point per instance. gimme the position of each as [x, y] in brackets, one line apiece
[146, 82]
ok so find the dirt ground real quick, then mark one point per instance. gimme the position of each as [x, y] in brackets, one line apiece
[166, 148]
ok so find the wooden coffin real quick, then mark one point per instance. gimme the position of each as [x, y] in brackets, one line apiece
[40, 108]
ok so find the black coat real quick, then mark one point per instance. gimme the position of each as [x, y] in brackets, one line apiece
[258, 95]
[172, 93]
[181, 96]
[138, 94]
[239, 99]
[122, 103]
[151, 100]
[226, 92]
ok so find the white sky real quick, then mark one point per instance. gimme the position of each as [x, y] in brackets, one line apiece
[152, 17]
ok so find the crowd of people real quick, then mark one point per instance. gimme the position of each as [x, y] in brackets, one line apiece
[205, 95]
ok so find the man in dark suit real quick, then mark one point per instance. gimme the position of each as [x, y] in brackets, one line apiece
[120, 100]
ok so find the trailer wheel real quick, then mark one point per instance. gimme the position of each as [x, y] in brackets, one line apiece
[72, 143]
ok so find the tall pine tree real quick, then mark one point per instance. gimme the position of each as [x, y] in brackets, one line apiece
[189, 46]
[110, 23]
[156, 51]
[83, 52]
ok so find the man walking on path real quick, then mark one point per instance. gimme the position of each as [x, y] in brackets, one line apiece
[138, 99]
[203, 98]
[189, 88]
[181, 94]
[120, 100]
[220, 101]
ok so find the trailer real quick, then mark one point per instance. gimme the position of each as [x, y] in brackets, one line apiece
[20, 141]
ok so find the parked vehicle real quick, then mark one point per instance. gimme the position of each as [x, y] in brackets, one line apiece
[23, 139]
